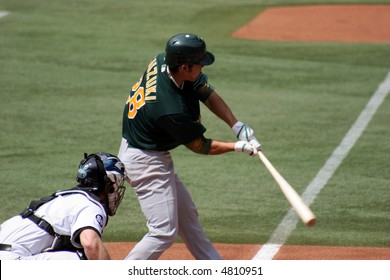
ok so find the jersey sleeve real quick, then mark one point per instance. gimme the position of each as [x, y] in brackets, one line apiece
[182, 128]
[202, 88]
[92, 217]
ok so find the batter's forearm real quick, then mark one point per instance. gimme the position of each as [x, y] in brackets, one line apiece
[218, 106]
[219, 147]
[206, 146]
[215, 147]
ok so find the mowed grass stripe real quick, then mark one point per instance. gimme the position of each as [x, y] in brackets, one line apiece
[289, 222]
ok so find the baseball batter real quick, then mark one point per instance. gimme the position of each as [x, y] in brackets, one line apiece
[161, 113]
[68, 224]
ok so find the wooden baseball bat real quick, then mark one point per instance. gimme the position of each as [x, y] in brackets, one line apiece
[303, 211]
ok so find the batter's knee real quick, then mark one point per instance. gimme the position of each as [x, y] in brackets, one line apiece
[166, 240]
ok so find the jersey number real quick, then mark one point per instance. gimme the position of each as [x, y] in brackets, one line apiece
[136, 101]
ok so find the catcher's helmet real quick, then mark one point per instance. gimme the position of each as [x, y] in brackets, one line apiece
[103, 172]
[186, 48]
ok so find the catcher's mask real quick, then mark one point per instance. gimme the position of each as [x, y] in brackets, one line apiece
[103, 172]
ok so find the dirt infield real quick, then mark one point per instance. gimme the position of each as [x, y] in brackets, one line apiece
[119, 250]
[339, 23]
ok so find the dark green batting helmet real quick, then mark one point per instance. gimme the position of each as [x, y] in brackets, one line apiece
[186, 48]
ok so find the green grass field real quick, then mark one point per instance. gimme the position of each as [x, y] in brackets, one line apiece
[66, 69]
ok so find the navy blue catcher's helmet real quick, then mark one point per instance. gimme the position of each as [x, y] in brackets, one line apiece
[103, 172]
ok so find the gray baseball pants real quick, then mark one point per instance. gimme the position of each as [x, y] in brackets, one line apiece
[166, 204]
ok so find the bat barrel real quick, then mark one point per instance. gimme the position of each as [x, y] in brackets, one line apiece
[303, 211]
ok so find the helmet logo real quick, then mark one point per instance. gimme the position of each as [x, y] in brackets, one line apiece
[82, 174]
[99, 219]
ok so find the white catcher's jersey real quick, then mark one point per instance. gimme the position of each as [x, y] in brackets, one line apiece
[67, 215]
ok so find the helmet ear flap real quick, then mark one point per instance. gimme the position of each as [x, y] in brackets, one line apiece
[106, 180]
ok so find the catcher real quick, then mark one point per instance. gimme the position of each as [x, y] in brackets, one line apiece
[68, 224]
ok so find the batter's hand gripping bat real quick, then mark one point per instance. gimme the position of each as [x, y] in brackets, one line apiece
[295, 200]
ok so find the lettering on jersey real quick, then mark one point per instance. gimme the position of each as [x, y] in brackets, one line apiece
[136, 100]
[151, 80]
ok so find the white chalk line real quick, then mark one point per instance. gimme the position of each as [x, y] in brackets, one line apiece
[3, 14]
[289, 222]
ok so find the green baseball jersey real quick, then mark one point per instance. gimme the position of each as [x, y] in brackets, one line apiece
[160, 116]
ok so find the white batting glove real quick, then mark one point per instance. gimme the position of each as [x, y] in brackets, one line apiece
[244, 132]
[245, 147]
